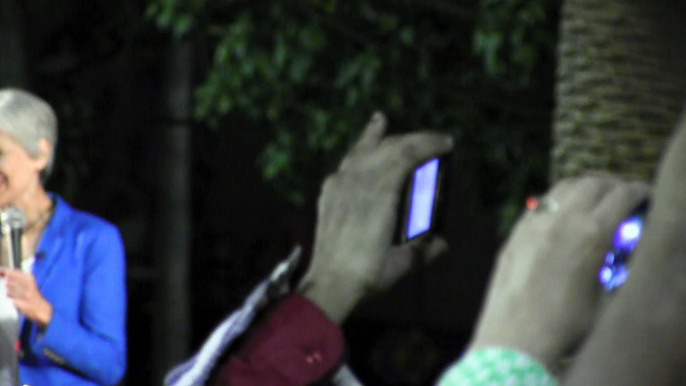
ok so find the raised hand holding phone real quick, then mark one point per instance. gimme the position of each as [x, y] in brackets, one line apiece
[544, 293]
[353, 254]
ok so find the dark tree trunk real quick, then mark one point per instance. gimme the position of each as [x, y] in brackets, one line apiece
[13, 53]
[173, 214]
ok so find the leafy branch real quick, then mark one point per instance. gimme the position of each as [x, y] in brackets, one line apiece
[311, 72]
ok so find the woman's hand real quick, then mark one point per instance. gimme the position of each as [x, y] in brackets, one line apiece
[641, 337]
[23, 291]
[544, 295]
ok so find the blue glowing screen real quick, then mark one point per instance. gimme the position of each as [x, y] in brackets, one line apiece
[628, 233]
[422, 198]
[615, 271]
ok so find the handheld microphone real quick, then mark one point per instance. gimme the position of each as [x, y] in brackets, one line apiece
[12, 220]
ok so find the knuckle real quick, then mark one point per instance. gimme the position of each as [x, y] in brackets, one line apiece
[333, 187]
[591, 228]
[350, 158]
[391, 141]
[567, 181]
[585, 228]
[565, 184]
[593, 181]
[640, 188]
[594, 235]
[596, 184]
[626, 192]
[630, 193]
[331, 182]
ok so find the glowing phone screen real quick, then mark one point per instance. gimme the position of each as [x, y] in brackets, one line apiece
[422, 202]
[615, 270]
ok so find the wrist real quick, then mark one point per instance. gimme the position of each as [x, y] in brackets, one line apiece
[497, 366]
[536, 347]
[335, 296]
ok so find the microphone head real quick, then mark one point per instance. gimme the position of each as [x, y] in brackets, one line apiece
[12, 218]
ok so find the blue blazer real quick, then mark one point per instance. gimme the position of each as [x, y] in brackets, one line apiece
[80, 270]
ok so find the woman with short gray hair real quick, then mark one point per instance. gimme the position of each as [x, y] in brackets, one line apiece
[69, 291]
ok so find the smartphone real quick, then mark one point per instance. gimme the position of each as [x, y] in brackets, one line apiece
[423, 196]
[615, 270]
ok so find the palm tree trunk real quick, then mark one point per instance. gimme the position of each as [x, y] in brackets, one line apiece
[619, 90]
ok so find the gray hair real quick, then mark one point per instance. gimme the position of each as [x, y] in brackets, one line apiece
[28, 119]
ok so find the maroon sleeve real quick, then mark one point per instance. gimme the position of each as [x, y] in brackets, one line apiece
[295, 346]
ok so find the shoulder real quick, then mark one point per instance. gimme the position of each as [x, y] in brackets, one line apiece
[75, 222]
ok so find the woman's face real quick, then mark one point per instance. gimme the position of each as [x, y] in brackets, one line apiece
[19, 172]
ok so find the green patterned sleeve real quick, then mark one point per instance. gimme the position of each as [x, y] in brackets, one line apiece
[496, 367]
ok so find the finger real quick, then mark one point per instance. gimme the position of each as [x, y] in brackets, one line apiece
[15, 277]
[15, 292]
[369, 140]
[662, 242]
[614, 208]
[562, 188]
[402, 258]
[427, 250]
[585, 194]
[670, 185]
[398, 263]
[399, 155]
[373, 133]
[15, 274]
[618, 205]
[21, 305]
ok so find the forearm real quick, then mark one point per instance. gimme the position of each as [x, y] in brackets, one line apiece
[530, 341]
[639, 340]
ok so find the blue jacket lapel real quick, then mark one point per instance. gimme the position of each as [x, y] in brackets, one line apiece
[51, 242]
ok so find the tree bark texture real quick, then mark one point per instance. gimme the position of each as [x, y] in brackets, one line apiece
[619, 90]
[173, 214]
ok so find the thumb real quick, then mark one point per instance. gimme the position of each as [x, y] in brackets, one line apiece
[426, 251]
[401, 259]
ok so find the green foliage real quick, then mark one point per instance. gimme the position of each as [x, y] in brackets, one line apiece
[312, 72]
[177, 15]
[516, 36]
